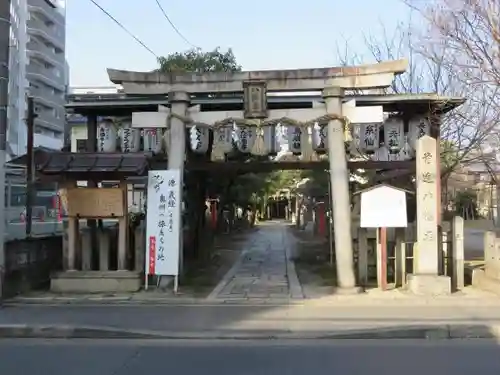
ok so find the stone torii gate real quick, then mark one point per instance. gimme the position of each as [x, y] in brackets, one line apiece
[332, 82]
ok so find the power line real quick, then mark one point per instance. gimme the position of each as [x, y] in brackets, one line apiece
[173, 26]
[124, 28]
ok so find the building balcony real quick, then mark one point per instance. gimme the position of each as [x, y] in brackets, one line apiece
[42, 140]
[47, 14]
[47, 98]
[46, 76]
[49, 121]
[50, 30]
[46, 54]
[41, 30]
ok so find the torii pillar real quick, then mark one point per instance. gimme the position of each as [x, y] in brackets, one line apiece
[179, 103]
[339, 199]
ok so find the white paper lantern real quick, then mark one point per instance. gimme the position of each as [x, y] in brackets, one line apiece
[354, 144]
[418, 127]
[199, 139]
[394, 133]
[294, 139]
[369, 139]
[106, 136]
[320, 137]
[130, 137]
[271, 139]
[223, 138]
[153, 139]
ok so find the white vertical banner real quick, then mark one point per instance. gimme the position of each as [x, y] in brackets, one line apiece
[164, 205]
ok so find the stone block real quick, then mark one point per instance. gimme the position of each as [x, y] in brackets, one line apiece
[481, 280]
[96, 282]
[86, 249]
[429, 285]
[104, 249]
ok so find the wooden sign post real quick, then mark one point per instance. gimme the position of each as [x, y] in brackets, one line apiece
[97, 203]
[383, 207]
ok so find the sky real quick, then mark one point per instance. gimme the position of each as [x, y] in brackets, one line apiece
[264, 34]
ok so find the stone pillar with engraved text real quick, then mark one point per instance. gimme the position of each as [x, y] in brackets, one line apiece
[425, 278]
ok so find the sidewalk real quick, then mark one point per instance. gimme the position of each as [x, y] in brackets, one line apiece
[310, 319]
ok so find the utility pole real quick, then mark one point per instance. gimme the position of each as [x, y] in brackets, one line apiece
[30, 177]
[4, 104]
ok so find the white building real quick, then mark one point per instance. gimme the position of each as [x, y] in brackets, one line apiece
[37, 67]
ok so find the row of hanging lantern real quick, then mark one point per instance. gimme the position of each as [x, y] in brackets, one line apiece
[363, 138]
[396, 144]
[129, 139]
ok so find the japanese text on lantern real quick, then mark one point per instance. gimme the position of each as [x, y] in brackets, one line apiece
[127, 133]
[102, 137]
[370, 136]
[297, 132]
[244, 139]
[393, 137]
[323, 136]
[197, 136]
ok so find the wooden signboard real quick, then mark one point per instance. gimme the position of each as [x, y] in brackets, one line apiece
[95, 203]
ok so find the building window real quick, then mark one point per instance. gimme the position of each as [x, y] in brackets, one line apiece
[81, 145]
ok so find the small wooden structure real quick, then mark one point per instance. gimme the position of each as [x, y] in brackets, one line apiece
[88, 264]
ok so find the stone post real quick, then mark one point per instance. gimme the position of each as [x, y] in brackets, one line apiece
[73, 242]
[123, 243]
[427, 200]
[179, 103]
[140, 250]
[86, 249]
[458, 267]
[340, 200]
[104, 248]
[400, 258]
[491, 255]
[363, 256]
[426, 278]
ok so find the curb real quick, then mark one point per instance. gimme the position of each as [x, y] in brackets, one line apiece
[63, 302]
[436, 332]
[10, 331]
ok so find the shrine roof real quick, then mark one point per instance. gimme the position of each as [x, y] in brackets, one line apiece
[412, 103]
[87, 163]
[123, 105]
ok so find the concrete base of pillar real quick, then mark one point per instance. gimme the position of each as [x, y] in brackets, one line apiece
[96, 282]
[348, 291]
[429, 285]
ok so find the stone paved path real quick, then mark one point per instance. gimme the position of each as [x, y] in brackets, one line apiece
[265, 270]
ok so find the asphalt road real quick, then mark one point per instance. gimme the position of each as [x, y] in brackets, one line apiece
[109, 357]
